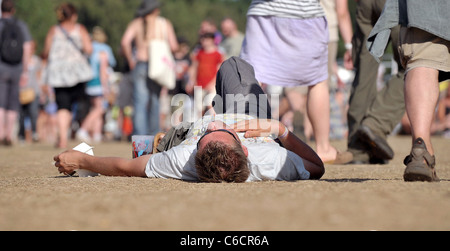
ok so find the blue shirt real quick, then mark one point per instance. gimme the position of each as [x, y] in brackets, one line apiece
[94, 59]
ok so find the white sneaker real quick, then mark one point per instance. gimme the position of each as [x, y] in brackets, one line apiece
[97, 138]
[82, 135]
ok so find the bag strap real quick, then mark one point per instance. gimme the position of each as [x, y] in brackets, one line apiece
[161, 29]
[8, 21]
[64, 31]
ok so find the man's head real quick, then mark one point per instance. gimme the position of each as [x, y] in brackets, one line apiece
[207, 26]
[221, 157]
[8, 6]
[228, 27]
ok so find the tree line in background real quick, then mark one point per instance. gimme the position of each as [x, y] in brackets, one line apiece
[114, 15]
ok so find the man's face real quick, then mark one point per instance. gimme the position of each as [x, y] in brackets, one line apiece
[227, 27]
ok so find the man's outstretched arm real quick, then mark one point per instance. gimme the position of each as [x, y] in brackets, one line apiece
[69, 161]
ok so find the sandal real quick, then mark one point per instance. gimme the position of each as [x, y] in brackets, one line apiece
[420, 164]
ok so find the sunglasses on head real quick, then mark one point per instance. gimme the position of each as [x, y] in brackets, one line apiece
[219, 130]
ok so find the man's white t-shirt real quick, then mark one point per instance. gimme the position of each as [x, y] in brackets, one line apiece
[266, 159]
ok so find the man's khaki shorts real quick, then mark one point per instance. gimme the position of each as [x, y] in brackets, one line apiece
[419, 48]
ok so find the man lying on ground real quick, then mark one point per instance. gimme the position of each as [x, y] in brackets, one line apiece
[228, 147]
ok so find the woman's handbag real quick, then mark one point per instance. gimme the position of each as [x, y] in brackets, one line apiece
[26, 95]
[161, 67]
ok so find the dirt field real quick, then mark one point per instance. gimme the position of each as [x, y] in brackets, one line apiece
[33, 196]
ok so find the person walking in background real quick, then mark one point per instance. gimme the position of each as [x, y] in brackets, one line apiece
[183, 63]
[425, 54]
[15, 55]
[47, 122]
[146, 91]
[124, 101]
[206, 62]
[102, 58]
[288, 47]
[68, 70]
[339, 22]
[30, 106]
[372, 114]
[232, 43]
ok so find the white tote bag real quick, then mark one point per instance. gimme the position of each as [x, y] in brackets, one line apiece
[161, 61]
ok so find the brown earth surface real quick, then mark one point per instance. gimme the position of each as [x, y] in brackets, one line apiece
[33, 196]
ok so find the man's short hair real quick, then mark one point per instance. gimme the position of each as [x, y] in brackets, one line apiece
[7, 6]
[218, 162]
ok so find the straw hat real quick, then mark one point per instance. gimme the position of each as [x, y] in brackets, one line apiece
[147, 7]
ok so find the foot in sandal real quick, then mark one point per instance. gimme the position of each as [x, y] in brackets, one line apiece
[420, 165]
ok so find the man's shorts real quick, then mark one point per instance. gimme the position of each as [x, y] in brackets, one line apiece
[419, 48]
[9, 87]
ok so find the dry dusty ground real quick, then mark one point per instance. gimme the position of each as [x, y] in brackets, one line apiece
[33, 196]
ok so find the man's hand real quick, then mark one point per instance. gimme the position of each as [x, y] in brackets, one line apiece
[348, 61]
[260, 128]
[69, 161]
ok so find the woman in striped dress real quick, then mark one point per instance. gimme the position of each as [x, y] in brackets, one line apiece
[286, 41]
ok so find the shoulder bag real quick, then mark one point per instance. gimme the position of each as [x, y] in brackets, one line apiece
[161, 61]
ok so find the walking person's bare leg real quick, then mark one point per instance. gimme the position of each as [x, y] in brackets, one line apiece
[318, 106]
[64, 121]
[421, 96]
